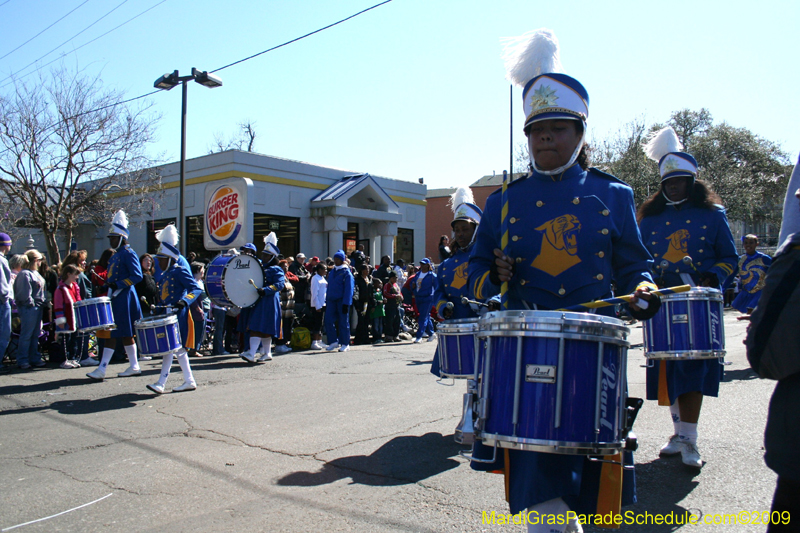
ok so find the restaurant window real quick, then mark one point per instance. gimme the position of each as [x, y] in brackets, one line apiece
[404, 245]
[287, 229]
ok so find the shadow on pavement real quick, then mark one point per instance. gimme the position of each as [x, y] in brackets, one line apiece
[745, 374]
[401, 461]
[84, 407]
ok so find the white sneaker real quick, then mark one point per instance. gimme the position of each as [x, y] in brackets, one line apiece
[332, 347]
[282, 349]
[130, 371]
[185, 387]
[316, 345]
[247, 356]
[673, 447]
[157, 388]
[690, 455]
[97, 374]
[265, 357]
[417, 341]
[345, 348]
[145, 358]
[432, 338]
[89, 361]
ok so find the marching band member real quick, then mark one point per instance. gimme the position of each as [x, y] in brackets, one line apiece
[176, 288]
[753, 267]
[124, 272]
[341, 286]
[452, 283]
[683, 219]
[264, 320]
[424, 288]
[572, 231]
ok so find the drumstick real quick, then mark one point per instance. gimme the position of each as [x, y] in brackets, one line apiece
[624, 299]
[253, 283]
[504, 236]
[688, 261]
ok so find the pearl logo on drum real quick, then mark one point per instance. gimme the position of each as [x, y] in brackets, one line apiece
[609, 385]
[238, 264]
[540, 373]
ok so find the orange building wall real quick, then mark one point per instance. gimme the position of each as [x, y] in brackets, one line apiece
[438, 217]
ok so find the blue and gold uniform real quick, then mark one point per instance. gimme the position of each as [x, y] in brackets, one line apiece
[424, 288]
[571, 238]
[452, 285]
[265, 316]
[124, 272]
[753, 275]
[684, 230]
[175, 285]
[704, 235]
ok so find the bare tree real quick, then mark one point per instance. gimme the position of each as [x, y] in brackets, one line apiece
[72, 151]
[245, 139]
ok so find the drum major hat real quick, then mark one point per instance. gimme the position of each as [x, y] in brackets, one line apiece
[119, 225]
[271, 244]
[168, 237]
[533, 62]
[463, 205]
[664, 147]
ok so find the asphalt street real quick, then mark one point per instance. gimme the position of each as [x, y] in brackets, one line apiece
[315, 441]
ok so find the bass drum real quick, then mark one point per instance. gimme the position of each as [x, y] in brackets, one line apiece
[228, 280]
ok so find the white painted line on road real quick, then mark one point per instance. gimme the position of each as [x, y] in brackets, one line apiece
[55, 515]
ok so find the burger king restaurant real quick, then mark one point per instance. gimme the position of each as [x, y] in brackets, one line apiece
[234, 197]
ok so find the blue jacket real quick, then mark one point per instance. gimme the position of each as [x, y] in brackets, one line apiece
[571, 238]
[424, 289]
[124, 271]
[340, 285]
[680, 231]
[177, 284]
[265, 316]
[451, 285]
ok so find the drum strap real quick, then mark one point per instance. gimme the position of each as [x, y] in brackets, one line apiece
[506, 477]
[663, 391]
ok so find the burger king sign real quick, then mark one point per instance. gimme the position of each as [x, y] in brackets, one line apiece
[226, 214]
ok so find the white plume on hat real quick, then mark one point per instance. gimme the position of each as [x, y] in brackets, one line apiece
[463, 195]
[168, 237]
[530, 55]
[662, 142]
[120, 218]
[271, 244]
[119, 224]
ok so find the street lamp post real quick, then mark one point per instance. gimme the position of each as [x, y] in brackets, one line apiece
[167, 82]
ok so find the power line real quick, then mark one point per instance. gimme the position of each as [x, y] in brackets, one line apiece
[303, 37]
[84, 44]
[4, 3]
[44, 30]
[217, 70]
[65, 42]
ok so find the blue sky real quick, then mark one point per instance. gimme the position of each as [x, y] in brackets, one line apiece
[416, 88]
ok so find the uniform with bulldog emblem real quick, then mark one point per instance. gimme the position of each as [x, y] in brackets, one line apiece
[571, 236]
[704, 236]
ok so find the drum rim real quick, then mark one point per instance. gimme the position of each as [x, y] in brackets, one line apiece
[457, 329]
[686, 355]
[100, 327]
[97, 300]
[228, 302]
[622, 342]
[550, 446]
[700, 294]
[157, 320]
[553, 317]
[157, 354]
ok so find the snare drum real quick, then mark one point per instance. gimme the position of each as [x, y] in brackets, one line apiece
[94, 314]
[228, 280]
[158, 335]
[458, 348]
[689, 325]
[553, 382]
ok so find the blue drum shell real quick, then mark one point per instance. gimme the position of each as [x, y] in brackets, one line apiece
[458, 345]
[94, 314]
[158, 336]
